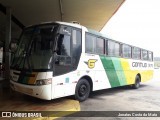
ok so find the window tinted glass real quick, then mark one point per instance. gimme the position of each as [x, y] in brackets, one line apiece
[90, 43]
[144, 55]
[113, 48]
[76, 37]
[64, 45]
[126, 51]
[117, 49]
[63, 56]
[99, 46]
[38, 41]
[65, 30]
[150, 56]
[136, 53]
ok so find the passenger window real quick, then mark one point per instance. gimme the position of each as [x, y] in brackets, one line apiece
[126, 51]
[144, 55]
[90, 43]
[150, 56]
[99, 46]
[113, 48]
[136, 53]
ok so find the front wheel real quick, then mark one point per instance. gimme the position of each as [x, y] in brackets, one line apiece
[136, 85]
[82, 90]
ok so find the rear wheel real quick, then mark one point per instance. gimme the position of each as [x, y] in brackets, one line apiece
[82, 90]
[136, 85]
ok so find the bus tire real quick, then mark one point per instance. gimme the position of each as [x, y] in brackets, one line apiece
[82, 90]
[136, 85]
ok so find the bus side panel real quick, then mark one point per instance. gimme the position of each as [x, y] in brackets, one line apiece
[101, 80]
[133, 67]
[146, 75]
[121, 71]
[129, 74]
[114, 71]
[91, 65]
[64, 85]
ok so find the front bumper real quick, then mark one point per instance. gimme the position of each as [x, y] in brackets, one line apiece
[42, 92]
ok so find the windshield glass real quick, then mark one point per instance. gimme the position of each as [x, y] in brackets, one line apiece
[35, 48]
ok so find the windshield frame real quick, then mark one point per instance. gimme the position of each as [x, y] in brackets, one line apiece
[29, 46]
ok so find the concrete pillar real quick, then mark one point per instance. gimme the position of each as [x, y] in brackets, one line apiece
[7, 42]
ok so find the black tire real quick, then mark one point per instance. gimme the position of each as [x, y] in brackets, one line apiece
[136, 85]
[82, 90]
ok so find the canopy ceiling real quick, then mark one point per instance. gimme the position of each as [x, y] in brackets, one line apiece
[90, 13]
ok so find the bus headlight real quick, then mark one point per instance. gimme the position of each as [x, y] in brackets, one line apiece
[44, 82]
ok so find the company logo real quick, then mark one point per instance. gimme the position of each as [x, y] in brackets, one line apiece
[6, 114]
[91, 63]
[141, 65]
[21, 114]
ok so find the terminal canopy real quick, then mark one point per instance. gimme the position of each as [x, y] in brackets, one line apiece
[93, 14]
[90, 13]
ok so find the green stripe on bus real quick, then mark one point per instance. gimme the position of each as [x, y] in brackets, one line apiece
[114, 71]
[110, 71]
[119, 70]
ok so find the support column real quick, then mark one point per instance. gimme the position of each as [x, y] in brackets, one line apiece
[61, 10]
[7, 42]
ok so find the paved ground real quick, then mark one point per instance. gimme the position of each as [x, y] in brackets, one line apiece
[146, 98]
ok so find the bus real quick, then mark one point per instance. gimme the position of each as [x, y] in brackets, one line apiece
[59, 59]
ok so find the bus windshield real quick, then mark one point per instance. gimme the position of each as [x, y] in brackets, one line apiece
[35, 48]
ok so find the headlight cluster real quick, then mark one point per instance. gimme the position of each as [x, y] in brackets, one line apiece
[44, 82]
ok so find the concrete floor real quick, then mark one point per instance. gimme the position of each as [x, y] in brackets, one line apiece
[146, 98]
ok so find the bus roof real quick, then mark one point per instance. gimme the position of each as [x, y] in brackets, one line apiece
[97, 33]
[59, 22]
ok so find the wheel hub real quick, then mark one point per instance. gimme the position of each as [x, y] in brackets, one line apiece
[82, 90]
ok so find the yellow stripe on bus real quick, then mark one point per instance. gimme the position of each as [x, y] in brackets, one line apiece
[32, 80]
[131, 74]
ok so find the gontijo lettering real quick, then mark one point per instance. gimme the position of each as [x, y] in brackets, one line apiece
[141, 64]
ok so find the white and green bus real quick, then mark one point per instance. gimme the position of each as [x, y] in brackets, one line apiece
[60, 59]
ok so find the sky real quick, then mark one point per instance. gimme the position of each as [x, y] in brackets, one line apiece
[137, 23]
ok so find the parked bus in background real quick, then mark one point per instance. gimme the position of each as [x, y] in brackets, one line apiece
[60, 59]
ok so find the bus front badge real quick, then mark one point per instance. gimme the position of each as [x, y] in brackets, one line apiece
[91, 63]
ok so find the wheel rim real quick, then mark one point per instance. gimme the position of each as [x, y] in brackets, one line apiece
[82, 90]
